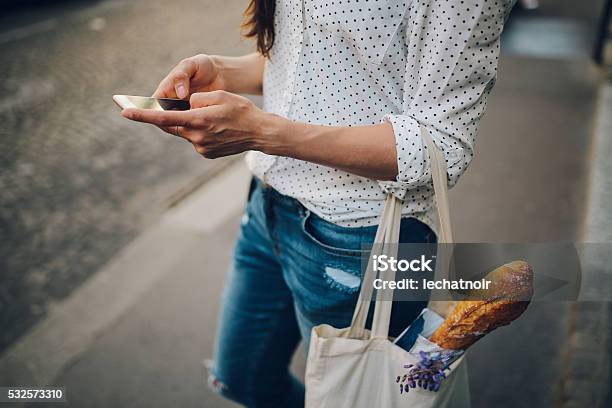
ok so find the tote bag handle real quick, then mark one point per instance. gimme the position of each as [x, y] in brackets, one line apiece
[386, 242]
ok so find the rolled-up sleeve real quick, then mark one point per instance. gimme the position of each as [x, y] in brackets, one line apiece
[453, 50]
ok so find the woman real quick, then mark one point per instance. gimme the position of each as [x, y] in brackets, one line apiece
[346, 85]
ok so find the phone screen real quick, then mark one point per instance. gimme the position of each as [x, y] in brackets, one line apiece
[145, 102]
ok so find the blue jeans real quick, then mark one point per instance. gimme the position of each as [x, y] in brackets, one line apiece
[291, 271]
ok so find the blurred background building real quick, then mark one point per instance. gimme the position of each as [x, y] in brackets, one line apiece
[115, 238]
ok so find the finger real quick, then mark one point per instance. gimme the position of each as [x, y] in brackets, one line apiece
[181, 85]
[185, 70]
[159, 118]
[184, 133]
[165, 89]
[200, 149]
[203, 99]
[176, 83]
[175, 131]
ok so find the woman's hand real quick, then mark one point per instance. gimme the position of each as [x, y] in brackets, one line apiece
[222, 124]
[205, 73]
[195, 74]
[219, 124]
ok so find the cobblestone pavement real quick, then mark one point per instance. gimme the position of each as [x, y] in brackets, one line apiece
[77, 181]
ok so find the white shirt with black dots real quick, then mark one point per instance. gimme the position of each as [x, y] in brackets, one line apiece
[358, 62]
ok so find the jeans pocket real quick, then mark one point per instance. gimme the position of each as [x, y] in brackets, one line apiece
[337, 240]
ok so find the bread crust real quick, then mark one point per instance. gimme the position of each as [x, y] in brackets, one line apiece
[506, 299]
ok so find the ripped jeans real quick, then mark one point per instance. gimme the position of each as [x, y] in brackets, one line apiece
[291, 271]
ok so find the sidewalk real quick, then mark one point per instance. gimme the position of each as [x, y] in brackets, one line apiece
[136, 333]
[158, 345]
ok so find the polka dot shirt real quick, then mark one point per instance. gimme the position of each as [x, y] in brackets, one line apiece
[358, 62]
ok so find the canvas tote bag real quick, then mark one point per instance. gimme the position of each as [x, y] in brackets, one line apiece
[357, 368]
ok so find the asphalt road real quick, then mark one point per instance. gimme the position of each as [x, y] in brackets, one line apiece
[77, 181]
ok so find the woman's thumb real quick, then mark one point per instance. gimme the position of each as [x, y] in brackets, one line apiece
[182, 88]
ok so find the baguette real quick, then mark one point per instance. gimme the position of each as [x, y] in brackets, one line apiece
[505, 300]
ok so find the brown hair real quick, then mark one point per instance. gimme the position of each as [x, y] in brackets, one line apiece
[259, 24]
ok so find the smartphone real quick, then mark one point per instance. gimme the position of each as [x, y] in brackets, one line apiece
[146, 102]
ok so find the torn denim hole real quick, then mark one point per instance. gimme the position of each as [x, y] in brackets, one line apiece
[244, 220]
[213, 382]
[342, 279]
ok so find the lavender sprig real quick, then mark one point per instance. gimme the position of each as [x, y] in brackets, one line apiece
[429, 372]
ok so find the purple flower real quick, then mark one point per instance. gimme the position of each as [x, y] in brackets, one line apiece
[429, 372]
